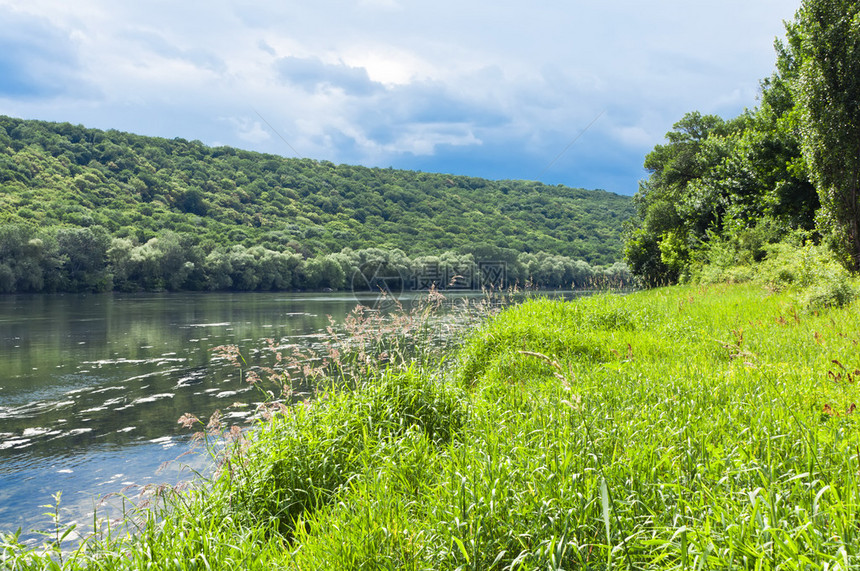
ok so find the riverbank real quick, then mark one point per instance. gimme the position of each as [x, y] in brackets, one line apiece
[684, 427]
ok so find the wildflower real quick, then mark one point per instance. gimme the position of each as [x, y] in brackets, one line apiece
[188, 420]
[235, 433]
[214, 421]
[252, 377]
[230, 353]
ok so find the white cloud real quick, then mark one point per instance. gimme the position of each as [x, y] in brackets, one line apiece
[250, 131]
[384, 82]
[389, 65]
[380, 4]
[424, 138]
[633, 136]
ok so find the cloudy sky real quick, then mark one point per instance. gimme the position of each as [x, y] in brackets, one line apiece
[573, 92]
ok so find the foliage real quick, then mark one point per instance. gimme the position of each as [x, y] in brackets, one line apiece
[825, 40]
[88, 260]
[811, 271]
[218, 215]
[763, 180]
[677, 428]
[672, 214]
[743, 182]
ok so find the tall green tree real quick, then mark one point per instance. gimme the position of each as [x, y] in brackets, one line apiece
[743, 182]
[670, 219]
[825, 38]
[83, 254]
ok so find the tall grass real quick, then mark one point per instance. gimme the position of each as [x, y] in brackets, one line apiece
[706, 427]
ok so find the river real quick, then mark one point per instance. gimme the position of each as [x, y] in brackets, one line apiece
[92, 386]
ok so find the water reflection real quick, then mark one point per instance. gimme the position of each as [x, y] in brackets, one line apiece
[91, 387]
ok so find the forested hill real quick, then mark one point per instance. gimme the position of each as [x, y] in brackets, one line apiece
[135, 188]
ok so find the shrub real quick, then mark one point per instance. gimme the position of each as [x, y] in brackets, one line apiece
[833, 291]
[812, 271]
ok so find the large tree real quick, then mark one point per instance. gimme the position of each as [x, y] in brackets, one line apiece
[825, 38]
[743, 181]
[670, 220]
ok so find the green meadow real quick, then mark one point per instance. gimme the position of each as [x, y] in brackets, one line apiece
[688, 427]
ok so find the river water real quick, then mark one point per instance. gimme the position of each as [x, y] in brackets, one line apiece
[92, 386]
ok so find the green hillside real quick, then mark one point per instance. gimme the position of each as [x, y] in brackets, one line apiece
[132, 188]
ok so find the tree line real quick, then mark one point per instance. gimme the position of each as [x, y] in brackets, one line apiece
[147, 198]
[788, 169]
[89, 259]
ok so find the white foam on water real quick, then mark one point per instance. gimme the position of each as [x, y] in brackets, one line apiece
[36, 431]
[15, 443]
[106, 389]
[120, 361]
[165, 442]
[75, 431]
[94, 409]
[152, 398]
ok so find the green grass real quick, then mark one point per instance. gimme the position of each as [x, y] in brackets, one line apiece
[678, 428]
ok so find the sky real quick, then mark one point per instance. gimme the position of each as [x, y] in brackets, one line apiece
[572, 92]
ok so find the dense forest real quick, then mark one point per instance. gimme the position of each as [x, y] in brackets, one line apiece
[90, 210]
[725, 195]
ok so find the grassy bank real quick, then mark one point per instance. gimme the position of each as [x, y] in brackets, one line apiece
[679, 428]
